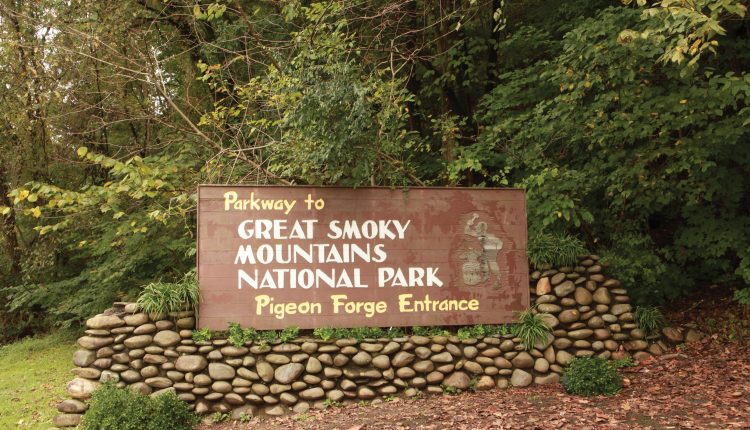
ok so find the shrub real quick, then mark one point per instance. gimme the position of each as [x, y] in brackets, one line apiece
[742, 296]
[557, 250]
[531, 328]
[165, 297]
[324, 333]
[202, 335]
[289, 333]
[591, 376]
[113, 408]
[649, 319]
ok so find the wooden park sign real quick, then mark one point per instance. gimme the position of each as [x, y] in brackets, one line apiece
[274, 257]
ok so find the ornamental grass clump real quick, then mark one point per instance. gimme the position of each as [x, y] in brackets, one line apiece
[531, 328]
[165, 297]
[555, 250]
[113, 408]
[591, 376]
[649, 319]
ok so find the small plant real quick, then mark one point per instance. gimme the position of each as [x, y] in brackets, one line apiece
[623, 362]
[394, 332]
[429, 331]
[473, 384]
[363, 403]
[742, 296]
[236, 335]
[324, 333]
[330, 403]
[265, 337]
[649, 319]
[202, 335]
[245, 417]
[531, 328]
[165, 297]
[289, 333]
[450, 390]
[591, 376]
[302, 417]
[389, 398]
[218, 417]
[463, 333]
[113, 408]
[557, 250]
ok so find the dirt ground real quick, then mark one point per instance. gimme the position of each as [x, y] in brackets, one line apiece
[703, 386]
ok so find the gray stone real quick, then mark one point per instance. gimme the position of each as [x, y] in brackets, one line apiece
[564, 289]
[277, 359]
[580, 334]
[520, 378]
[221, 371]
[381, 362]
[541, 365]
[81, 389]
[402, 359]
[158, 382]
[288, 372]
[458, 380]
[620, 308]
[443, 357]
[104, 322]
[551, 378]
[265, 371]
[84, 357]
[71, 406]
[362, 358]
[312, 393]
[569, 316]
[602, 296]
[137, 342]
[583, 296]
[191, 363]
[484, 383]
[365, 393]
[167, 338]
[90, 342]
[523, 360]
[67, 420]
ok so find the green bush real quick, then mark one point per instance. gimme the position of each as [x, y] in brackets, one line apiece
[557, 250]
[742, 296]
[649, 319]
[165, 297]
[591, 376]
[113, 408]
[531, 328]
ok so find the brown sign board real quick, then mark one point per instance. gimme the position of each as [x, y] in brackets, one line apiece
[273, 257]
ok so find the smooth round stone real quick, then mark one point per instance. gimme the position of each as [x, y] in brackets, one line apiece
[402, 359]
[313, 365]
[443, 357]
[424, 366]
[289, 372]
[71, 406]
[158, 382]
[67, 420]
[221, 387]
[473, 367]
[362, 358]
[381, 362]
[541, 365]
[551, 378]
[459, 380]
[520, 378]
[523, 360]
[137, 342]
[144, 329]
[340, 360]
[547, 298]
[84, 357]
[563, 358]
[580, 334]
[564, 289]
[92, 343]
[602, 296]
[405, 372]
[569, 316]
[365, 393]
[186, 323]
[312, 393]
[277, 359]
[104, 322]
[220, 371]
[164, 325]
[470, 352]
[167, 338]
[371, 347]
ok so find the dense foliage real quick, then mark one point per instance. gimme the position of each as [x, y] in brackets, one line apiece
[113, 408]
[626, 123]
[591, 376]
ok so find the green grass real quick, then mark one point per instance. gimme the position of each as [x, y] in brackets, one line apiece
[33, 374]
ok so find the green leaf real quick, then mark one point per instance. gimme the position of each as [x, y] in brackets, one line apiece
[82, 151]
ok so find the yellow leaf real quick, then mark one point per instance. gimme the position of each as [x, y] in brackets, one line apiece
[23, 194]
[4, 210]
[82, 151]
[36, 212]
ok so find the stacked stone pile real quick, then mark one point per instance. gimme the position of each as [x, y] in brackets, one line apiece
[589, 315]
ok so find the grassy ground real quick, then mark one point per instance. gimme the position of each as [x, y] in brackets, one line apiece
[33, 374]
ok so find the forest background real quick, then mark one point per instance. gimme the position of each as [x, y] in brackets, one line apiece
[627, 123]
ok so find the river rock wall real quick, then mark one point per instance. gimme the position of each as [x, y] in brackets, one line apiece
[589, 314]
